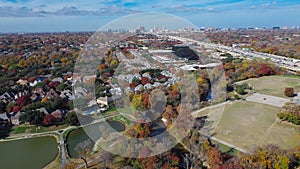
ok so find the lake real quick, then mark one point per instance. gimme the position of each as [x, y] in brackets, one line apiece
[31, 153]
[79, 135]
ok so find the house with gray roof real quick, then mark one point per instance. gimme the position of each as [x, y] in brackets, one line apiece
[7, 97]
[139, 88]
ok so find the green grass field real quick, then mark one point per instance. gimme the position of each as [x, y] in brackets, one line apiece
[34, 129]
[274, 85]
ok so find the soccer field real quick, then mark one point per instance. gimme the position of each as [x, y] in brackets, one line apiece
[245, 124]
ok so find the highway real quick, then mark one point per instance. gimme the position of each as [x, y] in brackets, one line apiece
[284, 62]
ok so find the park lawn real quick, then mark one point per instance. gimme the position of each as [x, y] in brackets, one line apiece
[246, 124]
[34, 129]
[126, 111]
[273, 85]
[290, 76]
[124, 120]
[285, 135]
[226, 149]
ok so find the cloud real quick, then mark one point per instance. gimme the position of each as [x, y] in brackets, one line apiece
[11, 11]
[26, 8]
[187, 9]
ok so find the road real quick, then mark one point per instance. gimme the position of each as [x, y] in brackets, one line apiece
[62, 150]
[288, 63]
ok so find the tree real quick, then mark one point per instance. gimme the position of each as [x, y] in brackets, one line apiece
[32, 117]
[149, 163]
[240, 91]
[266, 157]
[63, 86]
[48, 120]
[107, 158]
[23, 101]
[5, 128]
[136, 101]
[84, 150]
[113, 63]
[214, 156]
[72, 119]
[145, 80]
[290, 112]
[2, 107]
[289, 92]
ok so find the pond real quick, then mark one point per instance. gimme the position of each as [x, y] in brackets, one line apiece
[28, 153]
[79, 135]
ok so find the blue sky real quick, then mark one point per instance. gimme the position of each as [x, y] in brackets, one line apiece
[90, 15]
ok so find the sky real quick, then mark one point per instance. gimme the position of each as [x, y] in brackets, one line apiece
[90, 15]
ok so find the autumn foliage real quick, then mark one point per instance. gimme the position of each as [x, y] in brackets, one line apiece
[289, 91]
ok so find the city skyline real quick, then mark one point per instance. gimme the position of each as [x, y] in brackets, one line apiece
[60, 16]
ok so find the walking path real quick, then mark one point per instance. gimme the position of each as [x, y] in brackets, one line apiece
[209, 107]
[228, 144]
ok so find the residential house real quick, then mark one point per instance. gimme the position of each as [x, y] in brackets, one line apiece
[7, 97]
[58, 114]
[139, 88]
[52, 93]
[22, 82]
[4, 120]
[36, 81]
[4, 116]
[66, 94]
[36, 97]
[40, 91]
[103, 101]
[43, 110]
[22, 93]
[148, 86]
[156, 84]
[58, 79]
[80, 91]
[116, 91]
[15, 118]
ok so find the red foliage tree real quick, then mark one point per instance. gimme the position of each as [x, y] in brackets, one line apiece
[23, 101]
[214, 157]
[16, 109]
[48, 120]
[289, 91]
[146, 100]
[133, 85]
[145, 80]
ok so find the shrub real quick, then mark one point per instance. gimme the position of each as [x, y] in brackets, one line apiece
[289, 91]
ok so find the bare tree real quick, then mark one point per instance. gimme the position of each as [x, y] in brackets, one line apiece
[84, 149]
[107, 158]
